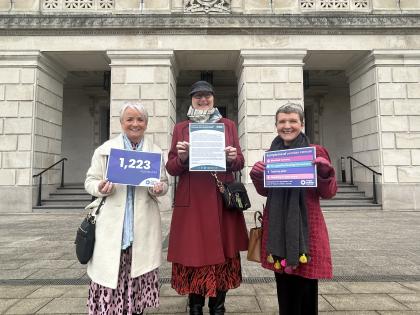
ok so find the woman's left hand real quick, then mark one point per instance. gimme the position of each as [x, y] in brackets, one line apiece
[323, 166]
[157, 188]
[231, 153]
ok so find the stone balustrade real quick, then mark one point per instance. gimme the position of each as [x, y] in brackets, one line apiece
[209, 6]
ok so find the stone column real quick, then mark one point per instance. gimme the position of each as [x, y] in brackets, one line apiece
[385, 115]
[31, 99]
[267, 80]
[148, 76]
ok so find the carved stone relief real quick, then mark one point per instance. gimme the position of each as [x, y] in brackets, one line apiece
[207, 6]
[70, 5]
[334, 5]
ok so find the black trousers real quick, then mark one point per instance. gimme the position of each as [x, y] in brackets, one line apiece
[296, 295]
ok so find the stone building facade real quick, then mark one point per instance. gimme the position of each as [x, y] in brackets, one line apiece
[66, 66]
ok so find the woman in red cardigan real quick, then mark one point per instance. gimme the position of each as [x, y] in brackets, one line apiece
[295, 241]
[205, 238]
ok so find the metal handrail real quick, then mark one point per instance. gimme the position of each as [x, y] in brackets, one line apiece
[374, 173]
[352, 158]
[38, 202]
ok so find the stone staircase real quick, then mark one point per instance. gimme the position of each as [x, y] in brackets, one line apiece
[70, 197]
[74, 197]
[348, 197]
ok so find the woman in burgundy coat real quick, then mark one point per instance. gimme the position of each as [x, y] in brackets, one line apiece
[295, 241]
[205, 238]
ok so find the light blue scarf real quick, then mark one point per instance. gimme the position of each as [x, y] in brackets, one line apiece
[128, 235]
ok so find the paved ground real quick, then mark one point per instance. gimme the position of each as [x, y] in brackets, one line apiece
[376, 258]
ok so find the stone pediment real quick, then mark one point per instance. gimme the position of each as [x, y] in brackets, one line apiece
[69, 24]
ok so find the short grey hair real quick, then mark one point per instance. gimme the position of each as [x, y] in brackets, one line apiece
[289, 108]
[134, 105]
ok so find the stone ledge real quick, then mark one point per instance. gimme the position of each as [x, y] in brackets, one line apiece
[23, 24]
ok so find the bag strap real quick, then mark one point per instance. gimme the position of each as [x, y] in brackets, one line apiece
[103, 198]
[92, 215]
[100, 206]
[219, 184]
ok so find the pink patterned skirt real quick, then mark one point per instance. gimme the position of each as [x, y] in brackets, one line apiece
[132, 295]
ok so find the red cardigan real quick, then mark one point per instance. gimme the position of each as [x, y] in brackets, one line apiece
[202, 231]
[320, 265]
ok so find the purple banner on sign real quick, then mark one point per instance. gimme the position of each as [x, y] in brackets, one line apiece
[290, 168]
[134, 168]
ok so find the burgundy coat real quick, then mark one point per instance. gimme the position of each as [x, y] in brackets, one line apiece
[202, 231]
[320, 265]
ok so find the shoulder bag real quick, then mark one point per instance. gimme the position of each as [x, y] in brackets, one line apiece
[255, 237]
[85, 236]
[234, 195]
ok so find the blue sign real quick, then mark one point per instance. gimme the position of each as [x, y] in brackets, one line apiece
[290, 168]
[134, 168]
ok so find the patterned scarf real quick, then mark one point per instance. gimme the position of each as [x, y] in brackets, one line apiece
[128, 234]
[204, 116]
[287, 222]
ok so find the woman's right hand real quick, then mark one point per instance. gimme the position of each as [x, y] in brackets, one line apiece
[105, 187]
[183, 148]
[257, 171]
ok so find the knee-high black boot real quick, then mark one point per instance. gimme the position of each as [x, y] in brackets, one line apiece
[196, 303]
[217, 304]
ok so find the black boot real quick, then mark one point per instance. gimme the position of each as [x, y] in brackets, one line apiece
[217, 304]
[196, 303]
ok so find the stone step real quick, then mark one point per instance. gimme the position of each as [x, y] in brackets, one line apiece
[372, 207]
[70, 191]
[59, 203]
[351, 195]
[66, 198]
[58, 208]
[346, 197]
[345, 189]
[347, 203]
[78, 187]
[341, 184]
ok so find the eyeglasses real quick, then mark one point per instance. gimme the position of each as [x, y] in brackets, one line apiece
[200, 96]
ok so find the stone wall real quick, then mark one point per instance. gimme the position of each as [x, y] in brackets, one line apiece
[30, 134]
[48, 121]
[385, 116]
[399, 97]
[267, 80]
[364, 123]
[148, 76]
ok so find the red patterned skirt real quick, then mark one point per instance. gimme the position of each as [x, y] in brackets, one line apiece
[207, 280]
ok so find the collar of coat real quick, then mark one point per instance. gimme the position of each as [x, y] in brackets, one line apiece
[118, 143]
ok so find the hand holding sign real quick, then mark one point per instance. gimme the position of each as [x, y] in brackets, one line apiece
[105, 187]
[183, 148]
[290, 168]
[231, 153]
[134, 168]
[323, 167]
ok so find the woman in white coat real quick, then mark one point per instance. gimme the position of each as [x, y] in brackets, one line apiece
[127, 253]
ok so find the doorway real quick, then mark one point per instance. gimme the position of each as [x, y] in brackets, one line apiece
[225, 87]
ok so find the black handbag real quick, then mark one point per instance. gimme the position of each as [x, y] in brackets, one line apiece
[234, 194]
[85, 235]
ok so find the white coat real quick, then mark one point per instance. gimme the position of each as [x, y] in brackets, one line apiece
[103, 268]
